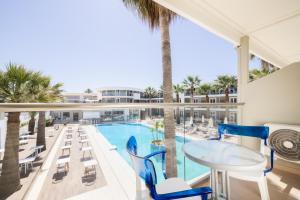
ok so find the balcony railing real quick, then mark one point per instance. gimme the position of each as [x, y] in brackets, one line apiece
[27, 107]
[202, 125]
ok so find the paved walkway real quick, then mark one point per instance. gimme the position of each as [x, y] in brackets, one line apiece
[60, 185]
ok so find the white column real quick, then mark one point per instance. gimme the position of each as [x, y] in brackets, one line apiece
[243, 76]
[243, 73]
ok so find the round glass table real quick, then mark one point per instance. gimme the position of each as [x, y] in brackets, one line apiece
[222, 157]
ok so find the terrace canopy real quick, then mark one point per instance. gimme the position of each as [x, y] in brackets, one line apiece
[273, 26]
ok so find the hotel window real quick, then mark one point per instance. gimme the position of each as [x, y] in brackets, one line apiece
[117, 112]
[212, 100]
[107, 113]
[122, 93]
[232, 100]
[110, 93]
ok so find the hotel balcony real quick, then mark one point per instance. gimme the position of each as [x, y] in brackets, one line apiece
[268, 29]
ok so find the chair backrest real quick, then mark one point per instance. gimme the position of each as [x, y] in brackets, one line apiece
[143, 167]
[261, 132]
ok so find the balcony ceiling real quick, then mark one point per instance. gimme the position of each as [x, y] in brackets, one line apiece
[273, 26]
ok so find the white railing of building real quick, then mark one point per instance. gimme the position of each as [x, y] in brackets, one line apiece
[26, 107]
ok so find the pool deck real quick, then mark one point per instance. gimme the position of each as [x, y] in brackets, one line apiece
[60, 182]
[118, 181]
[115, 179]
[25, 151]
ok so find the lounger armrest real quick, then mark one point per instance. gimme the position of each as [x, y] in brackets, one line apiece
[203, 191]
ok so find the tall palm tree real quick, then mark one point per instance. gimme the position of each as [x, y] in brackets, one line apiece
[177, 89]
[225, 82]
[14, 88]
[160, 17]
[190, 84]
[205, 89]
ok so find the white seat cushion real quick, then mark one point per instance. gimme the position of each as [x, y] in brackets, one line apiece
[174, 185]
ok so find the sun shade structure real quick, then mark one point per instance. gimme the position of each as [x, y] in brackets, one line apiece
[273, 27]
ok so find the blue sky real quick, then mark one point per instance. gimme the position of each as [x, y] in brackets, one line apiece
[95, 43]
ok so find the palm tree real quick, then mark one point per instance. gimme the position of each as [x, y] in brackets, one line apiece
[14, 88]
[257, 74]
[88, 91]
[190, 84]
[45, 92]
[150, 93]
[205, 89]
[265, 66]
[160, 17]
[225, 82]
[177, 90]
[31, 123]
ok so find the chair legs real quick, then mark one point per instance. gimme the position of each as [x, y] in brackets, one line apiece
[262, 185]
[263, 188]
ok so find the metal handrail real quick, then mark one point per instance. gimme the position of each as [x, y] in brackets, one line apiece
[25, 107]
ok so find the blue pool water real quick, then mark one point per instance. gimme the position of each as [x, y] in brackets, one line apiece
[118, 134]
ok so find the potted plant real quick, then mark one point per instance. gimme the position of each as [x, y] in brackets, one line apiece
[157, 141]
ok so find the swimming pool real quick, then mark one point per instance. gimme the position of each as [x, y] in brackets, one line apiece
[118, 134]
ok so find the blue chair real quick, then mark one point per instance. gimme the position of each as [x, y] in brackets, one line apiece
[170, 188]
[260, 132]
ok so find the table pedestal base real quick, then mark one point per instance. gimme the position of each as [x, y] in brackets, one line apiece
[220, 191]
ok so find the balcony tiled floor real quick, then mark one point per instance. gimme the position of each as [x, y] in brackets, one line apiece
[282, 185]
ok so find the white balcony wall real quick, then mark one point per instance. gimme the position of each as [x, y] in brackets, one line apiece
[274, 98]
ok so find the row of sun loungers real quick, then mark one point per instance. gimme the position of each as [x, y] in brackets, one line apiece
[64, 161]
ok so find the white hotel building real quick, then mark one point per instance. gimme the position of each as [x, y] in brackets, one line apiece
[135, 95]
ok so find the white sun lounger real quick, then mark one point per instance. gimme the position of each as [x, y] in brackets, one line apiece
[90, 165]
[63, 162]
[22, 142]
[64, 148]
[86, 141]
[37, 149]
[68, 141]
[26, 162]
[85, 149]
[83, 136]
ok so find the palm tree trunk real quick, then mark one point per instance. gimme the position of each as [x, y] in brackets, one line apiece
[207, 98]
[177, 110]
[10, 176]
[41, 140]
[171, 163]
[192, 109]
[31, 125]
[226, 95]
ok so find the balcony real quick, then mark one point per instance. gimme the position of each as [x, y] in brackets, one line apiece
[113, 171]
